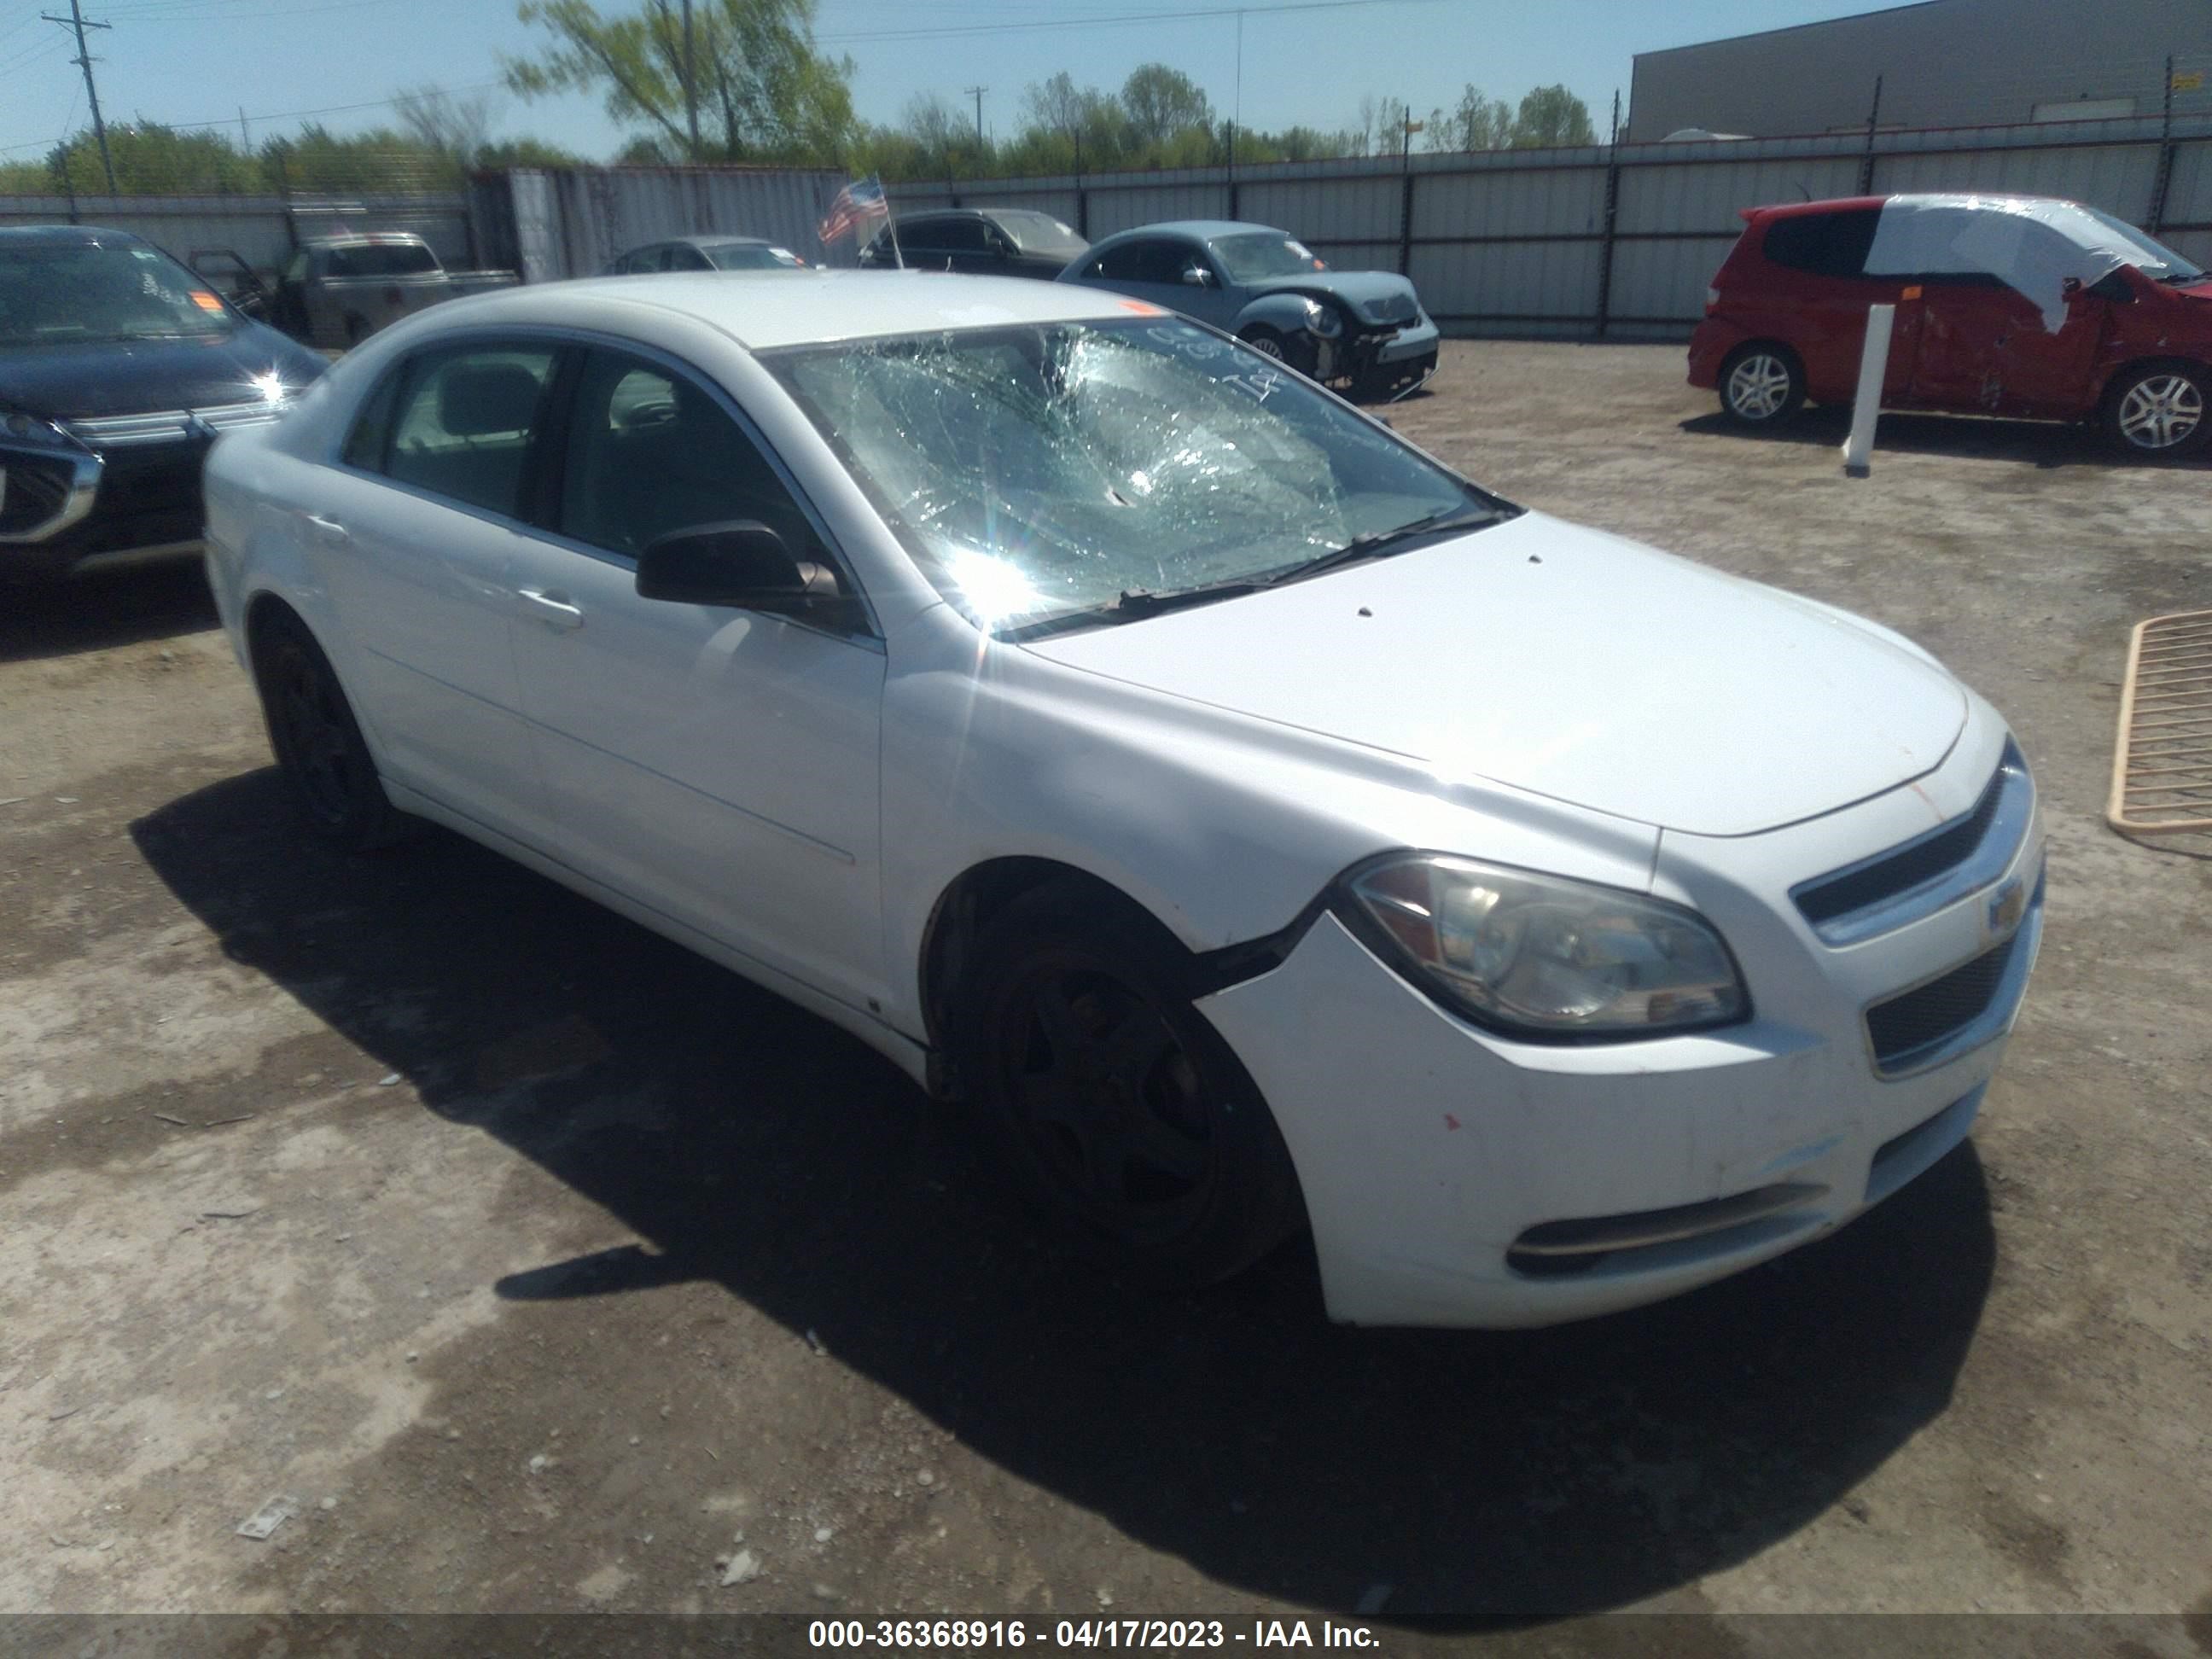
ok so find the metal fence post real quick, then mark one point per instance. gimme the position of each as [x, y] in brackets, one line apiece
[1605, 248]
[1405, 221]
[2157, 214]
[1866, 159]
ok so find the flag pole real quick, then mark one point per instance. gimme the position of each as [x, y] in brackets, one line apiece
[891, 220]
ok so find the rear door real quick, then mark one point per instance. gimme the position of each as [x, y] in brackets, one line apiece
[1816, 297]
[718, 765]
[417, 535]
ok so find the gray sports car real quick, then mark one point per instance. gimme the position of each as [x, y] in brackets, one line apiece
[1269, 289]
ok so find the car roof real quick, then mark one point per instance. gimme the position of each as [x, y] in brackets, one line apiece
[763, 309]
[366, 239]
[708, 238]
[1845, 204]
[65, 235]
[1203, 230]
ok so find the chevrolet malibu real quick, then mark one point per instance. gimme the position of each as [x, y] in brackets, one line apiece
[1260, 826]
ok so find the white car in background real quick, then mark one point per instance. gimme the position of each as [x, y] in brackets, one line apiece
[1264, 826]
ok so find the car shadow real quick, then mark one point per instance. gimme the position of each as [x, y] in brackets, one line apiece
[109, 608]
[1485, 1477]
[2043, 444]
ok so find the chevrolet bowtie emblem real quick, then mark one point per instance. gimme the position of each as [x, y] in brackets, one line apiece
[2007, 905]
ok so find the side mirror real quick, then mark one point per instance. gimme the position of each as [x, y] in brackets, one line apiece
[1196, 276]
[742, 564]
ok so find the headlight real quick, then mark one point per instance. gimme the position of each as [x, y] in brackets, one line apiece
[1544, 957]
[1322, 319]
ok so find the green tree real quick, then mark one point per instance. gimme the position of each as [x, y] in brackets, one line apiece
[1163, 103]
[1552, 115]
[760, 89]
[1474, 123]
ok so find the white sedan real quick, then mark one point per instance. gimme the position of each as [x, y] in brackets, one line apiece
[1264, 827]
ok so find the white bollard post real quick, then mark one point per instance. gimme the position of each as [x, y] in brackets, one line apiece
[1873, 363]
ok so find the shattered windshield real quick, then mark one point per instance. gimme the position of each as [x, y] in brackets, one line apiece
[1042, 472]
[2145, 251]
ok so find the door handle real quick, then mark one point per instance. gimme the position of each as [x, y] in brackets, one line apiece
[553, 610]
[329, 532]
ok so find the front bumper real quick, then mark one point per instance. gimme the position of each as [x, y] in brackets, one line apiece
[115, 491]
[1441, 1163]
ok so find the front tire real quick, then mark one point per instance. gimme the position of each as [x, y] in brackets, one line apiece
[2156, 410]
[1296, 352]
[1116, 1106]
[1761, 385]
[326, 765]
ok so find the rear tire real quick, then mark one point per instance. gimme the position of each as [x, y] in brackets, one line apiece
[1761, 384]
[326, 765]
[2156, 412]
[1116, 1106]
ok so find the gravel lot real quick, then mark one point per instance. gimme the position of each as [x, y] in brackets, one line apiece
[539, 1261]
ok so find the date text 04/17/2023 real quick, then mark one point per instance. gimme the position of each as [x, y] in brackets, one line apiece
[1159, 1633]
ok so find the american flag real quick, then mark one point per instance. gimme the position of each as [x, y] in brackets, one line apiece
[858, 203]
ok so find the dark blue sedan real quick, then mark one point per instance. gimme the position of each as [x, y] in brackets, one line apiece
[118, 369]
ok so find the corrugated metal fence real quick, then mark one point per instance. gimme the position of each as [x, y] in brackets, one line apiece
[571, 222]
[1621, 241]
[1618, 241]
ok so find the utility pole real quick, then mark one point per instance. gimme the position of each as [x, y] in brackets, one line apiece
[83, 60]
[690, 82]
[978, 92]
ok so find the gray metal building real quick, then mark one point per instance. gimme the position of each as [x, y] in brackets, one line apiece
[1941, 64]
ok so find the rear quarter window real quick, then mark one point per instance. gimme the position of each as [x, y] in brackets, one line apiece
[1824, 243]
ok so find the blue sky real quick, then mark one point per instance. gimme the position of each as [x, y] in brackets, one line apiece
[191, 61]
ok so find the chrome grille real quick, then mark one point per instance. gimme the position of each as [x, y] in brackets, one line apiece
[171, 425]
[1928, 872]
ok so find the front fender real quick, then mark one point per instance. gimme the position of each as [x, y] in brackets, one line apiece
[1284, 312]
[1224, 827]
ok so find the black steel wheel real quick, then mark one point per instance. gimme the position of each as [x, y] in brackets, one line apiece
[1116, 1106]
[326, 765]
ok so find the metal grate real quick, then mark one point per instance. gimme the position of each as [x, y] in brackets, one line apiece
[1905, 1029]
[2162, 764]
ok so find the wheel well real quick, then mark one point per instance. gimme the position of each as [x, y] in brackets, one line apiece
[2133, 364]
[976, 897]
[263, 611]
[1780, 348]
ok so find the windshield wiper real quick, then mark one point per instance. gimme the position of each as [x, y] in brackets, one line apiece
[1151, 601]
[1374, 544]
[1133, 604]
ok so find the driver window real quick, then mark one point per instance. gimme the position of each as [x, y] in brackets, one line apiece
[650, 451]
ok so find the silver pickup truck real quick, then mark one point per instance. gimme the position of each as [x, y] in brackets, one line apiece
[338, 290]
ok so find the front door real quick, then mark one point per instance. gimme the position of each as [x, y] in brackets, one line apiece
[718, 765]
[2000, 332]
[416, 535]
[1153, 268]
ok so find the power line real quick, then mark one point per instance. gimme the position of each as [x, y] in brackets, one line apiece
[977, 93]
[1191, 14]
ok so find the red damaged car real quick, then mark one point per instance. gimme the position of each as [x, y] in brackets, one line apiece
[2006, 305]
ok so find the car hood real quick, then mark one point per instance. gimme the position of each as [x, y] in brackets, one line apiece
[1370, 292]
[88, 379]
[1571, 664]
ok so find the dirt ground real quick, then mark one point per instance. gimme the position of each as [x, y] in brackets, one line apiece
[539, 1261]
